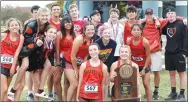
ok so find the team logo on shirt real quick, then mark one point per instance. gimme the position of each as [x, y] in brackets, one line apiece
[104, 54]
[171, 32]
[77, 28]
[28, 30]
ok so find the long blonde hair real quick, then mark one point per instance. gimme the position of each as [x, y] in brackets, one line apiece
[8, 24]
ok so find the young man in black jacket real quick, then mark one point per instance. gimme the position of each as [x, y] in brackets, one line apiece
[95, 17]
[34, 12]
[176, 51]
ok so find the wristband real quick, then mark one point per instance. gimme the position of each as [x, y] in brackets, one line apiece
[58, 65]
[144, 68]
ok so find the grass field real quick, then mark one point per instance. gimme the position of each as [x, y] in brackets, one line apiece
[164, 88]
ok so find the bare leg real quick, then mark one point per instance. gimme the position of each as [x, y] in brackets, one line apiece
[146, 82]
[73, 83]
[30, 83]
[50, 80]
[183, 80]
[36, 82]
[4, 87]
[156, 78]
[8, 82]
[66, 86]
[21, 72]
[173, 78]
[45, 72]
[19, 89]
[57, 83]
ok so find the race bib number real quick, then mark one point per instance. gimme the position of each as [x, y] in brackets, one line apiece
[137, 58]
[91, 88]
[5, 59]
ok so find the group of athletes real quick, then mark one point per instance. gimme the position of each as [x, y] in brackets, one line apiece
[88, 52]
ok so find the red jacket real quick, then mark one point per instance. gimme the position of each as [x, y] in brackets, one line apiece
[164, 22]
[152, 34]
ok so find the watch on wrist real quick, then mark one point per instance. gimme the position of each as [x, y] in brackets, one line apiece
[144, 68]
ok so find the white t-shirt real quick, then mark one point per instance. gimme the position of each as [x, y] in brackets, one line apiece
[117, 35]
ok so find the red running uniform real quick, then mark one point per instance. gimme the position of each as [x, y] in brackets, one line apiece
[91, 85]
[81, 54]
[8, 49]
[138, 52]
[65, 44]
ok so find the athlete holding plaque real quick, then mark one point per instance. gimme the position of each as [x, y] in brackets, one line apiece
[125, 54]
[140, 49]
[11, 44]
[92, 77]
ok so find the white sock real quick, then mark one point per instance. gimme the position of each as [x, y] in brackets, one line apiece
[29, 92]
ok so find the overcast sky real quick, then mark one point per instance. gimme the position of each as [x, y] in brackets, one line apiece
[25, 3]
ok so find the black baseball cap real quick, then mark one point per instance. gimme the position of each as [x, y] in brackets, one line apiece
[171, 9]
[95, 12]
[149, 11]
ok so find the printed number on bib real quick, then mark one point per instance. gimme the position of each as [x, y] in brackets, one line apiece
[6, 59]
[137, 58]
[91, 88]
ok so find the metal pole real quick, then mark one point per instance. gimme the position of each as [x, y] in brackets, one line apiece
[160, 8]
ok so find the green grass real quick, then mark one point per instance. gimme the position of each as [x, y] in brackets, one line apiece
[164, 88]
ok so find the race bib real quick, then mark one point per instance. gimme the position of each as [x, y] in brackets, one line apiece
[137, 58]
[6, 59]
[91, 88]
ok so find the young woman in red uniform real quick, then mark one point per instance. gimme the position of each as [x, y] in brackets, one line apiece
[77, 54]
[63, 43]
[32, 32]
[92, 76]
[140, 49]
[11, 44]
[125, 58]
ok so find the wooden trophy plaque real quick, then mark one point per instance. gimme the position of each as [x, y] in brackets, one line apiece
[125, 84]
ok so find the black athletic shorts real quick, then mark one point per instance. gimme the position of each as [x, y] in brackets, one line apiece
[37, 60]
[35, 64]
[6, 71]
[146, 69]
[175, 62]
